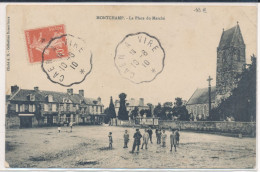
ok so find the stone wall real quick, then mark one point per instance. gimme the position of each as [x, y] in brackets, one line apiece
[12, 122]
[245, 128]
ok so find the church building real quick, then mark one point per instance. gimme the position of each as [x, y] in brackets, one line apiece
[231, 59]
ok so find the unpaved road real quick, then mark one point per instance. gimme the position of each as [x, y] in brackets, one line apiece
[86, 147]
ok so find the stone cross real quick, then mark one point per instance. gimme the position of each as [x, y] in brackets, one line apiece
[209, 79]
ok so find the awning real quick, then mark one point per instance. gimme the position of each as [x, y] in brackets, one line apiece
[21, 114]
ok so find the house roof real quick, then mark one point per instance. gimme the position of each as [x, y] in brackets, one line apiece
[200, 96]
[131, 102]
[40, 95]
[230, 37]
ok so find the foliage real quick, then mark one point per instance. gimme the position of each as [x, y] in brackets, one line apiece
[134, 113]
[122, 113]
[180, 111]
[107, 117]
[241, 105]
[111, 110]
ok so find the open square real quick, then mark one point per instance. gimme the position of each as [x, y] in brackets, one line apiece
[87, 147]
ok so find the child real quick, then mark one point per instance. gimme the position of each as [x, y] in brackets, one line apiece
[173, 140]
[59, 128]
[159, 136]
[110, 140]
[164, 136]
[145, 139]
[71, 124]
[126, 139]
[177, 136]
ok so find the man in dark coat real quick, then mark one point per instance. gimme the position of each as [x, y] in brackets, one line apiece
[137, 140]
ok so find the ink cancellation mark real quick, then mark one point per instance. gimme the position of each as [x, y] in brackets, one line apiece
[67, 70]
[139, 57]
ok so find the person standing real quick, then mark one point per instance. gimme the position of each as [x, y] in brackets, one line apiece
[164, 136]
[150, 132]
[59, 127]
[159, 136]
[71, 124]
[177, 136]
[110, 139]
[156, 133]
[137, 136]
[126, 139]
[173, 140]
[145, 139]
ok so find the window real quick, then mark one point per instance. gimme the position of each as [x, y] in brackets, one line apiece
[31, 108]
[46, 107]
[26, 107]
[16, 108]
[61, 107]
[22, 108]
[54, 107]
[96, 108]
[50, 98]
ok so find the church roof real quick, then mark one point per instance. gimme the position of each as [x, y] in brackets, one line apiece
[200, 96]
[230, 37]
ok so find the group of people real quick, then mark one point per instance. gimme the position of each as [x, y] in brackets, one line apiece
[147, 136]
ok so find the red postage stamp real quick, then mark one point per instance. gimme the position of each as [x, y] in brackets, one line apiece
[38, 39]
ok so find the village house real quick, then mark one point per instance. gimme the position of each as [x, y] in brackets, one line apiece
[131, 105]
[28, 108]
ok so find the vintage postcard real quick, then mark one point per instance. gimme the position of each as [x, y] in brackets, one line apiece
[155, 86]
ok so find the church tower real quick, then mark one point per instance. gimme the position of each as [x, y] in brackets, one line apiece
[230, 61]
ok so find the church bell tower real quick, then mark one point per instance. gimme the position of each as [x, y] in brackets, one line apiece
[230, 61]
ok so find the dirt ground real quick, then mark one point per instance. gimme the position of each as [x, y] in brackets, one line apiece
[87, 147]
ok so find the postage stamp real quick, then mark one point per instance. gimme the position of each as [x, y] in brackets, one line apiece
[139, 57]
[70, 70]
[37, 40]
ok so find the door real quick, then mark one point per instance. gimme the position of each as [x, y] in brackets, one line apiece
[50, 119]
[26, 122]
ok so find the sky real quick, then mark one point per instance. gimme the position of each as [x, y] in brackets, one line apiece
[189, 38]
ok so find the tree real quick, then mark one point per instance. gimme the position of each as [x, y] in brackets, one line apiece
[150, 109]
[111, 109]
[167, 104]
[158, 110]
[122, 113]
[180, 110]
[241, 104]
[134, 113]
[107, 117]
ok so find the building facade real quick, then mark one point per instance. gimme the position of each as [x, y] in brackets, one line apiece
[28, 108]
[131, 105]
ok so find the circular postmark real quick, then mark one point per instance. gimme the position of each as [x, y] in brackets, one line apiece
[69, 68]
[139, 57]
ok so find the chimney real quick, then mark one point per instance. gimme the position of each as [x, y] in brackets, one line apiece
[132, 102]
[14, 89]
[70, 91]
[141, 102]
[99, 99]
[36, 88]
[81, 92]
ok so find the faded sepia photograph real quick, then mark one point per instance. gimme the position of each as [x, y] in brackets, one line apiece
[154, 86]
